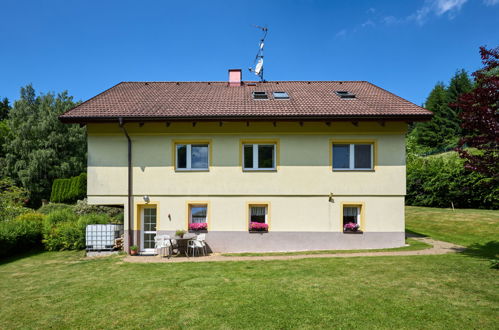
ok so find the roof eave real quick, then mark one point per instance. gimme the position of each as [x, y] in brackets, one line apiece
[104, 119]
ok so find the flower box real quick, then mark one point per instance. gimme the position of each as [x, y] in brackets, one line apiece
[352, 228]
[198, 227]
[257, 227]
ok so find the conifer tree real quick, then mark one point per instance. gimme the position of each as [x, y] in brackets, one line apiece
[441, 130]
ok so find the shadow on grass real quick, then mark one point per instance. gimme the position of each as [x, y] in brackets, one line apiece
[20, 256]
[489, 250]
[410, 233]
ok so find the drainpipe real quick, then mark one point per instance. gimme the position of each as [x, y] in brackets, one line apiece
[130, 188]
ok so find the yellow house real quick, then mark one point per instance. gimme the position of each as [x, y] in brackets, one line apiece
[258, 166]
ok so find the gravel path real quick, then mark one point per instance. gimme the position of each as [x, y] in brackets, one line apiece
[439, 247]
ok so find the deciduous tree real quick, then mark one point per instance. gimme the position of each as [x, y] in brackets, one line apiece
[39, 147]
[480, 114]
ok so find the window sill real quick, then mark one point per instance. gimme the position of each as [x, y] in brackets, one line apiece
[183, 171]
[260, 170]
[358, 232]
[337, 170]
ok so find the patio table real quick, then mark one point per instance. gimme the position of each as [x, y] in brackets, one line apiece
[182, 242]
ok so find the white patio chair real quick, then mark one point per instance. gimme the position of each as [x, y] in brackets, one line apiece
[194, 245]
[162, 243]
[202, 238]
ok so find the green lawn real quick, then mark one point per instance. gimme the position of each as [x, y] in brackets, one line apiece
[65, 290]
[476, 229]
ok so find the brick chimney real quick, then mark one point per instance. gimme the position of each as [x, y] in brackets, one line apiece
[235, 76]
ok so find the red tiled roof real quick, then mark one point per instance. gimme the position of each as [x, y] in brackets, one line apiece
[144, 101]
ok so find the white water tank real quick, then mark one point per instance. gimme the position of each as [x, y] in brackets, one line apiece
[101, 237]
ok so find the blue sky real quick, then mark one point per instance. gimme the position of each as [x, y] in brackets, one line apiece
[87, 46]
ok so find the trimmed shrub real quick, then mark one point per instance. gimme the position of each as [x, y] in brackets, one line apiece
[22, 234]
[69, 190]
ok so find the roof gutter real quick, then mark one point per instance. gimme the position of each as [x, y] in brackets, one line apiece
[103, 119]
[130, 182]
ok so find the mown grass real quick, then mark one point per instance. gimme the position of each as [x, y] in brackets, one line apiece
[412, 245]
[476, 229]
[65, 290]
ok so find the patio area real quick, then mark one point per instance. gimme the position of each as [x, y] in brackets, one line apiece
[437, 247]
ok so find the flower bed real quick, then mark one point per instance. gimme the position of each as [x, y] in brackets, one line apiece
[258, 227]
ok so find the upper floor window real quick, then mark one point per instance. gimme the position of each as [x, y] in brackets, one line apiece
[259, 156]
[353, 156]
[191, 157]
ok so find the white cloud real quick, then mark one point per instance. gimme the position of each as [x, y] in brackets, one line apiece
[439, 8]
[491, 2]
[341, 33]
[368, 23]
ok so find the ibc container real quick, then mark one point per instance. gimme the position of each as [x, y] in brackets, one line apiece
[101, 237]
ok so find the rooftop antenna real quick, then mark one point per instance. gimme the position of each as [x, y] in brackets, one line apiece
[258, 63]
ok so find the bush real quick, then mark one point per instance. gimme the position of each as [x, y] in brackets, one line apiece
[60, 230]
[438, 181]
[12, 200]
[115, 213]
[64, 230]
[69, 190]
[49, 208]
[22, 234]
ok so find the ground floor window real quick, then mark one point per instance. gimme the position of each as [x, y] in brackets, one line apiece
[198, 216]
[352, 218]
[258, 217]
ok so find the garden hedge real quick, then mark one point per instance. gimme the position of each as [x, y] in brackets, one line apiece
[69, 190]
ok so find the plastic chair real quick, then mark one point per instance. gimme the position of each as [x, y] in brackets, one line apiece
[202, 238]
[194, 244]
[162, 243]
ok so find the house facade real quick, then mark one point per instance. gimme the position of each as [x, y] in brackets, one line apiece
[265, 166]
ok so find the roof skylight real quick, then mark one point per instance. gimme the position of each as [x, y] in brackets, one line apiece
[260, 96]
[345, 95]
[281, 95]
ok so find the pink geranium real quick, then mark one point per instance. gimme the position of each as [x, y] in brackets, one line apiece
[258, 226]
[198, 226]
[351, 226]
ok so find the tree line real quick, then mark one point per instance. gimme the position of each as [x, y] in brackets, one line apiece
[453, 160]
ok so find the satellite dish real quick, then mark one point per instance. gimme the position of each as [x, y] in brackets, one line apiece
[259, 66]
[258, 70]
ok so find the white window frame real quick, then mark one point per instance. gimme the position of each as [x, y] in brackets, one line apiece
[265, 206]
[255, 157]
[188, 165]
[351, 164]
[191, 205]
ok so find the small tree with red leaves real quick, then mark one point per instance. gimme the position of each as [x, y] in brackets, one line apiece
[480, 114]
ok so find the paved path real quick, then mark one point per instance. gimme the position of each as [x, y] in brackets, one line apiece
[438, 247]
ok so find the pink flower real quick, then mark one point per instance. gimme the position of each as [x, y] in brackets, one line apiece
[198, 226]
[259, 226]
[351, 226]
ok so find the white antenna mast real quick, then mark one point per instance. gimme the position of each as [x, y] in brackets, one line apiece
[258, 70]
